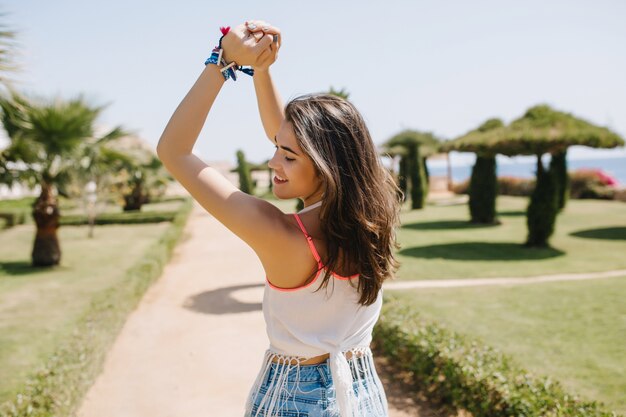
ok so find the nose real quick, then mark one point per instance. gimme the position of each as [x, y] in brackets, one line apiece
[271, 163]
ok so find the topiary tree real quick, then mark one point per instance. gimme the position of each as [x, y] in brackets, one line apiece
[558, 167]
[245, 179]
[419, 182]
[483, 185]
[483, 190]
[398, 155]
[418, 146]
[540, 130]
[543, 207]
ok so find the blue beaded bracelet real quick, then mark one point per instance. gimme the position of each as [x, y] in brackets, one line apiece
[228, 69]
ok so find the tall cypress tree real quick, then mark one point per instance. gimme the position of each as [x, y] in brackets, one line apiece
[483, 189]
[245, 178]
[403, 180]
[542, 209]
[418, 177]
[558, 166]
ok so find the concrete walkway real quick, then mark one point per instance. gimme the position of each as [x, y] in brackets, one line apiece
[196, 341]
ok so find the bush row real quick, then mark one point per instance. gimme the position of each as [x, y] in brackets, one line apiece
[57, 388]
[584, 183]
[121, 218]
[14, 212]
[465, 374]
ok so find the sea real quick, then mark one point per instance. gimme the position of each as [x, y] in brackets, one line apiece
[526, 168]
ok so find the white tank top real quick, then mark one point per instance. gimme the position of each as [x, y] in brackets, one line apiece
[302, 324]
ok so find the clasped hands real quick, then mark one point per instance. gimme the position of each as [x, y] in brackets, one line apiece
[255, 43]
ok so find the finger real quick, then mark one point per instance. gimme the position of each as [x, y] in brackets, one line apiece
[257, 35]
[255, 25]
[263, 44]
[261, 26]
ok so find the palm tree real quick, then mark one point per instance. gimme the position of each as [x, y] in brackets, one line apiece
[143, 176]
[45, 137]
[343, 93]
[7, 53]
[7, 65]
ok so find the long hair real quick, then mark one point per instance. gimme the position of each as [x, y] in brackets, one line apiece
[361, 204]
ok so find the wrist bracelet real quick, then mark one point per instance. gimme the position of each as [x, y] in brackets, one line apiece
[227, 69]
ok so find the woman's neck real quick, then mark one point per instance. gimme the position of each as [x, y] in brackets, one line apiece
[311, 207]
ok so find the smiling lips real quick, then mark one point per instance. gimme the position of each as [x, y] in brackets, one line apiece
[279, 180]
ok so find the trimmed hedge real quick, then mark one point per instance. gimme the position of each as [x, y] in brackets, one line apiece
[12, 218]
[465, 374]
[57, 388]
[121, 218]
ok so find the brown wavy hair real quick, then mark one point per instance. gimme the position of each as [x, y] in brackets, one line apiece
[361, 204]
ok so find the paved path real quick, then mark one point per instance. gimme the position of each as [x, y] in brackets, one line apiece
[196, 341]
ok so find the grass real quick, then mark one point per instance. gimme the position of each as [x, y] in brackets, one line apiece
[574, 331]
[39, 306]
[438, 242]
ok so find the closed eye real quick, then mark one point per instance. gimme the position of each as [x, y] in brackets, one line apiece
[288, 159]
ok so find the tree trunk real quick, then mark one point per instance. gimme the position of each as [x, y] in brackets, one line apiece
[543, 208]
[558, 167]
[403, 172]
[418, 178]
[483, 190]
[46, 249]
[136, 198]
[271, 174]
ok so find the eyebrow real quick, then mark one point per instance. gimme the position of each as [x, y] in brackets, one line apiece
[284, 147]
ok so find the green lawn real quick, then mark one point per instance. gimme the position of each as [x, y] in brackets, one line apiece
[38, 307]
[438, 242]
[574, 331]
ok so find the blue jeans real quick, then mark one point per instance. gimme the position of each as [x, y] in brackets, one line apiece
[310, 393]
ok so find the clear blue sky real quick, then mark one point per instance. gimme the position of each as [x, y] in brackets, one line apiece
[440, 66]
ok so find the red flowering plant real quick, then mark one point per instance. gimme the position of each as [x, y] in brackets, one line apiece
[592, 183]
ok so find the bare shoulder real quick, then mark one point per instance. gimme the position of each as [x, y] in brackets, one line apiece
[263, 226]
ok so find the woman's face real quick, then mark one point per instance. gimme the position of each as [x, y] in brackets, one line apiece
[290, 163]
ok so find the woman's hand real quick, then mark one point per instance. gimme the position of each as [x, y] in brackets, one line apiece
[243, 47]
[260, 29]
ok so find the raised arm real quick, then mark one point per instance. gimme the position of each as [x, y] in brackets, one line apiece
[254, 220]
[268, 99]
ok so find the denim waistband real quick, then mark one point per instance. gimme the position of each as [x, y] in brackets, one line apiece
[305, 373]
[310, 373]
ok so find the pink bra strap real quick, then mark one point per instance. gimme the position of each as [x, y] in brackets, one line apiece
[310, 240]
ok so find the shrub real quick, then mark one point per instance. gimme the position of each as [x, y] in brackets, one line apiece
[620, 194]
[466, 374]
[508, 185]
[12, 218]
[592, 183]
[121, 218]
[57, 387]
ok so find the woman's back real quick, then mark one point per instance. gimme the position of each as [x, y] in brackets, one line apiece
[309, 321]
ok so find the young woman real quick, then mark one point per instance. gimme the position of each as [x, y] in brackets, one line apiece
[324, 265]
